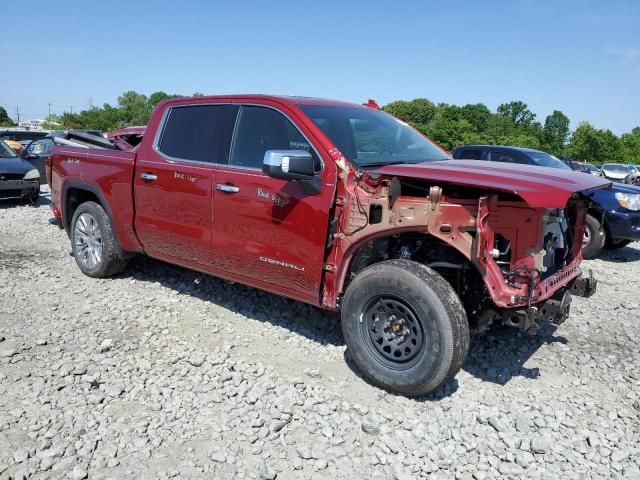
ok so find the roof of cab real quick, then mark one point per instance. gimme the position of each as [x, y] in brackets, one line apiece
[294, 100]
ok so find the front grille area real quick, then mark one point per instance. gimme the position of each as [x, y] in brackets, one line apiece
[10, 193]
[11, 176]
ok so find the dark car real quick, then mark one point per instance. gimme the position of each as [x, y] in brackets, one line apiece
[37, 153]
[18, 178]
[613, 220]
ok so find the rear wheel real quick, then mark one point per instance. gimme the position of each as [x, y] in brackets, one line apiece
[405, 327]
[94, 243]
[593, 239]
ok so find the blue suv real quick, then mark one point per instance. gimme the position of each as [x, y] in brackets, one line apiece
[614, 217]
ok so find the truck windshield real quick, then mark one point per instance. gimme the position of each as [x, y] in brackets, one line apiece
[6, 151]
[371, 137]
[545, 160]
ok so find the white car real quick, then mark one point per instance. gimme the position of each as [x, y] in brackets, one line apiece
[616, 171]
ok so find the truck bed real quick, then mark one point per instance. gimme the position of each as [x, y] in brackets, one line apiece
[108, 173]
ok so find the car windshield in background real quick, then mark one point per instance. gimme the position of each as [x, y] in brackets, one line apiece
[546, 160]
[371, 137]
[6, 151]
[616, 168]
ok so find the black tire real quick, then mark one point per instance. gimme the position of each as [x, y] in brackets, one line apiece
[432, 348]
[111, 261]
[594, 238]
[614, 244]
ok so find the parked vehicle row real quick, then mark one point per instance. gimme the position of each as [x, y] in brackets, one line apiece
[340, 206]
[613, 218]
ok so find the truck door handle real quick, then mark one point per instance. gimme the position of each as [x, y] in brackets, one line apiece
[223, 187]
[149, 177]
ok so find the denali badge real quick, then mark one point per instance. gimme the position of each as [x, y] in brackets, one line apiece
[281, 263]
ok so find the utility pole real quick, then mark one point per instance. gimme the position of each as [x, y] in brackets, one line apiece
[90, 102]
[49, 108]
[71, 109]
[18, 114]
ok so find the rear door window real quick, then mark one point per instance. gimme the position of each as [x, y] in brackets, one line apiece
[506, 157]
[470, 154]
[197, 133]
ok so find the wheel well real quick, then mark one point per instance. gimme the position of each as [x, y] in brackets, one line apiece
[452, 265]
[74, 198]
[599, 215]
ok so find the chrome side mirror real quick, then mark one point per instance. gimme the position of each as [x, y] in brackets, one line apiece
[288, 164]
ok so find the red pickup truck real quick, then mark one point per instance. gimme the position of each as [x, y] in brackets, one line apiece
[341, 206]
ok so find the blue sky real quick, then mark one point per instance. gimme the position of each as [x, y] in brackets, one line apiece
[582, 57]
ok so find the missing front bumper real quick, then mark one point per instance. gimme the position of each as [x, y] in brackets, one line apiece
[554, 310]
[584, 286]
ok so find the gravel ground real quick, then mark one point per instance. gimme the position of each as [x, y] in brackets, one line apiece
[163, 372]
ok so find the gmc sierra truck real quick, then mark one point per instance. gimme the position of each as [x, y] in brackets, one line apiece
[341, 206]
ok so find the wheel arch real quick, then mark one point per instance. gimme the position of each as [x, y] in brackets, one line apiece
[350, 255]
[74, 193]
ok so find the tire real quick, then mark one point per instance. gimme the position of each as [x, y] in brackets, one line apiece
[614, 244]
[594, 238]
[434, 332]
[91, 231]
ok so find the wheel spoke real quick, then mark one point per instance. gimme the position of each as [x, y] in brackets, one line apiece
[88, 241]
[395, 333]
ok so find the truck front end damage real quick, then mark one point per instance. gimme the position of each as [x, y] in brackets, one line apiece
[510, 260]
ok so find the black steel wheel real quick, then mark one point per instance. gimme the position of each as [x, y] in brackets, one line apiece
[405, 327]
[394, 331]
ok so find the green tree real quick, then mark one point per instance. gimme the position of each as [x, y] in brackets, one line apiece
[134, 107]
[518, 112]
[595, 146]
[71, 120]
[52, 122]
[556, 132]
[5, 119]
[419, 112]
[631, 146]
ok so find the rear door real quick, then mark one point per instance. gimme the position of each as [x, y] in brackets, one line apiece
[267, 229]
[173, 184]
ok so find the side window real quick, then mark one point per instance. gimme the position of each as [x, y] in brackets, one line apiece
[196, 133]
[470, 154]
[259, 129]
[506, 157]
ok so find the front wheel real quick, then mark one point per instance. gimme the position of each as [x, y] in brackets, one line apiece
[94, 243]
[593, 239]
[405, 327]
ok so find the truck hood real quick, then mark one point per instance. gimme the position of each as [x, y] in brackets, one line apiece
[540, 187]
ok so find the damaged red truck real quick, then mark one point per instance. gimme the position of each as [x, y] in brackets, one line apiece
[341, 206]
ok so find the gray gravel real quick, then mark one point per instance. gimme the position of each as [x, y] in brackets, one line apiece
[163, 372]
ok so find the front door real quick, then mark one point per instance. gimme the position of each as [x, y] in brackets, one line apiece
[264, 228]
[173, 183]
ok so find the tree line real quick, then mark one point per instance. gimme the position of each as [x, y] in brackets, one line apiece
[449, 125]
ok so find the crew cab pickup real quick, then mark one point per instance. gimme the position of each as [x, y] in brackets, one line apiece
[341, 206]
